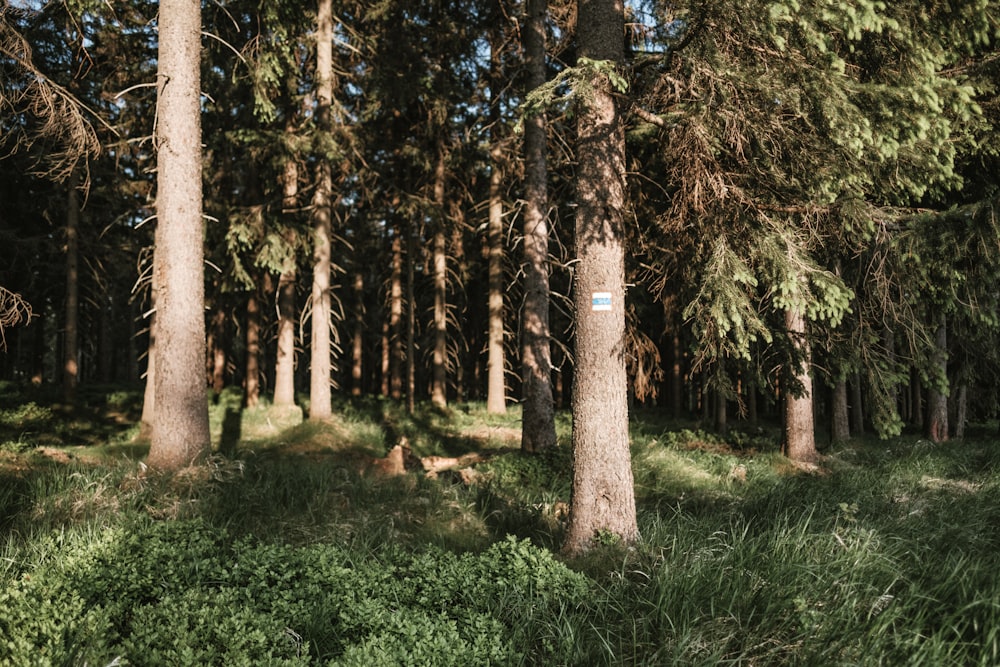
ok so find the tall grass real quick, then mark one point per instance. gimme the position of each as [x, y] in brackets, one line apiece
[888, 556]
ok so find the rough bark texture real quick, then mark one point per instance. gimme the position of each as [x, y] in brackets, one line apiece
[840, 425]
[284, 364]
[71, 344]
[320, 406]
[538, 430]
[439, 362]
[937, 400]
[603, 497]
[411, 325]
[800, 432]
[180, 422]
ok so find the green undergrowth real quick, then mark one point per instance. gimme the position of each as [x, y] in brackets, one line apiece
[286, 549]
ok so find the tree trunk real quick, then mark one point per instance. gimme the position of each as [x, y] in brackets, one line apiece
[937, 399]
[217, 347]
[800, 434]
[251, 395]
[357, 340]
[320, 406]
[961, 409]
[721, 416]
[284, 363]
[439, 367]
[538, 429]
[180, 423]
[71, 343]
[676, 376]
[603, 496]
[496, 401]
[857, 407]
[840, 425]
[411, 326]
[396, 318]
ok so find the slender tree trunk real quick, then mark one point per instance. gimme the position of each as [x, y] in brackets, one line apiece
[71, 343]
[284, 363]
[396, 318]
[961, 409]
[320, 406]
[105, 343]
[149, 395]
[411, 326]
[538, 429]
[180, 425]
[676, 376]
[857, 407]
[800, 432]
[357, 341]
[217, 346]
[496, 399]
[721, 413]
[937, 400]
[439, 366]
[251, 396]
[603, 496]
[840, 425]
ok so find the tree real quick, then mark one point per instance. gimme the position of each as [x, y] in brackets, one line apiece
[538, 430]
[320, 406]
[180, 424]
[603, 497]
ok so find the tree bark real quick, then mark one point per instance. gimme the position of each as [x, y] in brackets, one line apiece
[937, 399]
[603, 495]
[180, 423]
[496, 401]
[538, 429]
[857, 407]
[357, 340]
[71, 341]
[396, 319]
[320, 406]
[251, 395]
[439, 365]
[840, 425]
[800, 432]
[411, 325]
[284, 363]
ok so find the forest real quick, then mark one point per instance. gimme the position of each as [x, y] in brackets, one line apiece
[458, 331]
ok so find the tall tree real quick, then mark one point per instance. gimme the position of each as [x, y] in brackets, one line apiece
[180, 423]
[320, 367]
[603, 496]
[538, 430]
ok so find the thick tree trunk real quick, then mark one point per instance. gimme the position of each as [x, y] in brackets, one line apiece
[284, 363]
[840, 425]
[439, 362]
[800, 432]
[603, 496]
[180, 424]
[71, 343]
[937, 400]
[251, 396]
[320, 406]
[538, 430]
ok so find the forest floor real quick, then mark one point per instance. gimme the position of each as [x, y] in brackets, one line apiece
[387, 538]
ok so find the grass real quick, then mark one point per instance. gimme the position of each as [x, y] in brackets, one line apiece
[288, 550]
